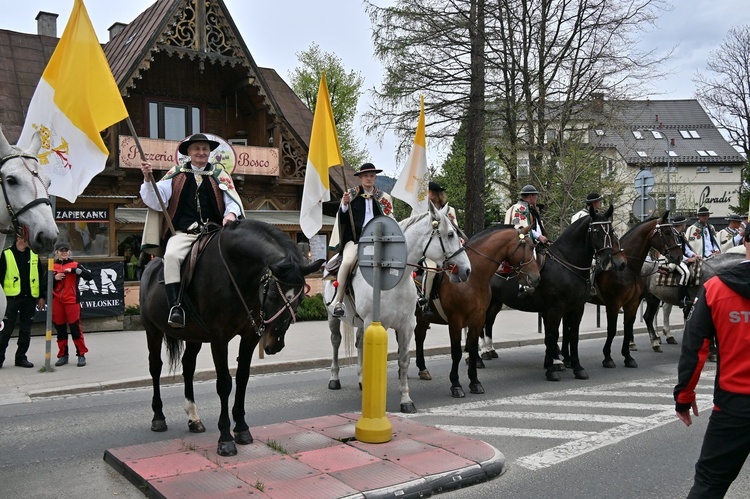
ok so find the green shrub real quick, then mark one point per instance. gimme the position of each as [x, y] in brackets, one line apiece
[133, 310]
[312, 308]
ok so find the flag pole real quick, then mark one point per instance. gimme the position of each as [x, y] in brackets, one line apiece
[351, 216]
[150, 176]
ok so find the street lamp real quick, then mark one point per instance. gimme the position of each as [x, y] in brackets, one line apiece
[669, 194]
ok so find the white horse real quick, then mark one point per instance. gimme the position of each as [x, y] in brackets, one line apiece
[429, 235]
[26, 207]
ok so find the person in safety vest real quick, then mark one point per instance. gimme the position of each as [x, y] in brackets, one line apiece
[25, 287]
[66, 304]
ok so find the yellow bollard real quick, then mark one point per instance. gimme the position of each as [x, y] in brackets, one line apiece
[374, 427]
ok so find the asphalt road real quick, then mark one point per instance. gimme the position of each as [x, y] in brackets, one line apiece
[614, 435]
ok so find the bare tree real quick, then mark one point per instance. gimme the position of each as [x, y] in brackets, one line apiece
[540, 60]
[725, 93]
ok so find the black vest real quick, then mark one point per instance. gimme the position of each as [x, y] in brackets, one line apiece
[200, 208]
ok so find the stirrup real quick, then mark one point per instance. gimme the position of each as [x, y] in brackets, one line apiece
[176, 317]
[339, 310]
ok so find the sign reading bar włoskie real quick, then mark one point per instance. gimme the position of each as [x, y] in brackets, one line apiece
[163, 155]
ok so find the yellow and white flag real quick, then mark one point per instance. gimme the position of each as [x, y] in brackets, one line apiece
[76, 98]
[413, 183]
[324, 153]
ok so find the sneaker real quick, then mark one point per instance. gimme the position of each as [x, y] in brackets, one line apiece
[81, 361]
[61, 361]
[24, 363]
[339, 310]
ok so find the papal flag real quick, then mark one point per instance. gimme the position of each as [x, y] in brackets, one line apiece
[413, 183]
[324, 153]
[76, 99]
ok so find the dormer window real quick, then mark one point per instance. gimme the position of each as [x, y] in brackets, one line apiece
[173, 120]
[637, 134]
[642, 154]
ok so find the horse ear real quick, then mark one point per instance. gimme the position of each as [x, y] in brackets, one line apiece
[610, 211]
[5, 148]
[36, 144]
[664, 217]
[313, 267]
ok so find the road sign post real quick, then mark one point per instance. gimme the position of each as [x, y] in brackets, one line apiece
[382, 261]
[644, 205]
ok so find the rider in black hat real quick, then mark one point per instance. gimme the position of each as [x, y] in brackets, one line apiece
[688, 257]
[593, 199]
[525, 212]
[731, 236]
[366, 202]
[702, 235]
[195, 194]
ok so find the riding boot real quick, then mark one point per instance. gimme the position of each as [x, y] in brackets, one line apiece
[682, 300]
[176, 313]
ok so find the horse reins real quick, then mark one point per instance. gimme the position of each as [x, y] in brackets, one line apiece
[444, 268]
[15, 214]
[264, 282]
[517, 270]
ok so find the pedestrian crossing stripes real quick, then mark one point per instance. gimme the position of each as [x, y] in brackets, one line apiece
[649, 405]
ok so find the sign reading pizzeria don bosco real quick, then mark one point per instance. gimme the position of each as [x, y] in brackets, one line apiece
[162, 154]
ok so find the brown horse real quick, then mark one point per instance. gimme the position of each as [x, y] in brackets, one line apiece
[625, 289]
[463, 305]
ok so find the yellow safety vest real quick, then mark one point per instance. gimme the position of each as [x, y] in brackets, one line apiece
[12, 282]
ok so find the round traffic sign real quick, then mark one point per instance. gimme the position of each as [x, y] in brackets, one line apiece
[392, 264]
[644, 207]
[644, 182]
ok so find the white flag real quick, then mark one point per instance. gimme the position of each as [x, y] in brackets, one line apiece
[412, 184]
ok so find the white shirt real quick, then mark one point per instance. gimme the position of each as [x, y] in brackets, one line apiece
[165, 189]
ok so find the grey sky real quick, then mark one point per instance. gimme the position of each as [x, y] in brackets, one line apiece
[276, 31]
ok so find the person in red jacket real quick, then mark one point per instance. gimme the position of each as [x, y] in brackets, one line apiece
[721, 313]
[66, 304]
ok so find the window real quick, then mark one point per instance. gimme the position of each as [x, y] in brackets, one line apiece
[657, 134]
[685, 134]
[642, 154]
[173, 121]
[85, 238]
[599, 132]
[694, 134]
[672, 169]
[672, 153]
[701, 169]
[712, 153]
[637, 134]
[701, 153]
[522, 170]
[608, 167]
[725, 169]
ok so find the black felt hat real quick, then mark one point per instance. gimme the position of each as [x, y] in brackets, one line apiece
[528, 189]
[593, 197]
[198, 137]
[679, 219]
[703, 211]
[434, 186]
[367, 168]
[733, 218]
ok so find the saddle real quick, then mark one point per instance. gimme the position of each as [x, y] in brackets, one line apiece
[331, 270]
[670, 278]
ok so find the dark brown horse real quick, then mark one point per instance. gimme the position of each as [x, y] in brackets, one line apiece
[248, 281]
[462, 305]
[564, 287]
[624, 290]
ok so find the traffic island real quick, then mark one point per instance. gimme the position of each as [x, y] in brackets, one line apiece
[317, 457]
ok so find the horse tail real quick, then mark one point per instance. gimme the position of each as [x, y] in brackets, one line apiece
[174, 350]
[348, 334]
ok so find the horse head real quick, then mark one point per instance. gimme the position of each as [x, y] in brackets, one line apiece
[604, 240]
[282, 289]
[664, 239]
[522, 260]
[24, 189]
[450, 250]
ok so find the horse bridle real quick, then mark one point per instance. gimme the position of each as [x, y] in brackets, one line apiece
[13, 213]
[515, 271]
[607, 224]
[452, 268]
[658, 229]
[265, 281]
